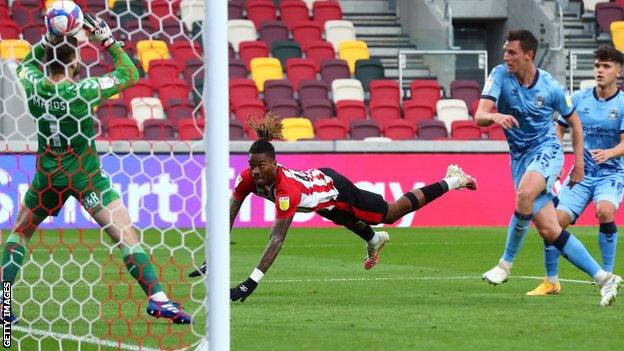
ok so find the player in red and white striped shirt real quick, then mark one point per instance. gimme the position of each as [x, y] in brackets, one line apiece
[325, 192]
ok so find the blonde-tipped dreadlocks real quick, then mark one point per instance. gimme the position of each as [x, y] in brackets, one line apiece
[268, 128]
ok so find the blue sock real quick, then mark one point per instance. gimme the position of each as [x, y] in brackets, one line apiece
[518, 227]
[551, 259]
[574, 251]
[607, 240]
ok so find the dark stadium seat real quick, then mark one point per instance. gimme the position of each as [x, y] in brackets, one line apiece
[248, 50]
[162, 71]
[399, 129]
[191, 129]
[465, 130]
[33, 4]
[318, 51]
[496, 132]
[32, 33]
[95, 70]
[123, 129]
[467, 90]
[235, 9]
[384, 110]
[115, 108]
[237, 131]
[248, 108]
[285, 49]
[334, 69]
[277, 89]
[195, 68]
[237, 69]
[96, 6]
[183, 50]
[607, 12]
[127, 10]
[426, 90]
[158, 129]
[385, 89]
[294, 11]
[298, 69]
[348, 110]
[314, 109]
[369, 70]
[170, 29]
[324, 11]
[231, 52]
[418, 110]
[271, 31]
[284, 108]
[23, 16]
[312, 89]
[306, 32]
[259, 11]
[330, 129]
[179, 109]
[432, 130]
[364, 128]
[142, 88]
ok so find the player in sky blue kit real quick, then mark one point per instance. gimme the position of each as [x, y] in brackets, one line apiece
[526, 98]
[601, 110]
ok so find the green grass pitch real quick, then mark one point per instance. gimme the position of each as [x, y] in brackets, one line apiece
[425, 294]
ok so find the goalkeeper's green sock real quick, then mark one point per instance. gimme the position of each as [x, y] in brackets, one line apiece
[12, 257]
[141, 269]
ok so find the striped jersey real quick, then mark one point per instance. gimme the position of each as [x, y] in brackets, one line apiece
[293, 190]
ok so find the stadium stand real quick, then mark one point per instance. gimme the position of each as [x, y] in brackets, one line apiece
[617, 34]
[347, 89]
[294, 11]
[259, 11]
[466, 90]
[297, 128]
[248, 50]
[368, 70]
[466, 130]
[418, 110]
[285, 49]
[123, 129]
[158, 129]
[385, 89]
[241, 30]
[432, 130]
[271, 31]
[324, 11]
[318, 51]
[14, 49]
[399, 129]
[298, 69]
[284, 108]
[315, 109]
[337, 31]
[277, 89]
[237, 131]
[364, 128]
[306, 32]
[449, 110]
[607, 12]
[265, 68]
[334, 69]
[353, 50]
[348, 110]
[383, 110]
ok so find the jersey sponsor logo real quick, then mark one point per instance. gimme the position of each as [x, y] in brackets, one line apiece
[540, 101]
[488, 85]
[568, 101]
[91, 200]
[106, 82]
[614, 113]
[284, 203]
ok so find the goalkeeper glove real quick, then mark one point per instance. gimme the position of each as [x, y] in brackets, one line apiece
[199, 271]
[98, 30]
[243, 290]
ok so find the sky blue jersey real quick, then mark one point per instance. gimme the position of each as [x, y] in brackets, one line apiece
[532, 106]
[603, 122]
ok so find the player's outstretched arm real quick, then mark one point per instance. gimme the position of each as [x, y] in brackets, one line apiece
[485, 118]
[578, 171]
[603, 155]
[278, 234]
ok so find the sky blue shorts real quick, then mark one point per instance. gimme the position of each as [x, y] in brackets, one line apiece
[592, 188]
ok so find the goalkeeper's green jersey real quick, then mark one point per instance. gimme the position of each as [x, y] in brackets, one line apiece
[63, 112]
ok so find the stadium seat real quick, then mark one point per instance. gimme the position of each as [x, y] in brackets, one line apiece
[241, 30]
[32, 33]
[496, 132]
[4, 11]
[369, 70]
[23, 16]
[237, 69]
[170, 28]
[284, 108]
[14, 49]
[465, 130]
[191, 129]
[277, 89]
[148, 50]
[285, 49]
[432, 130]
[315, 109]
[248, 108]
[162, 71]
[348, 110]
[306, 32]
[310, 3]
[590, 5]
[606, 13]
[126, 11]
[241, 89]
[588, 83]
[294, 11]
[237, 130]
[265, 68]
[347, 89]
[353, 50]
[123, 129]
[271, 31]
[184, 50]
[191, 11]
[248, 50]
[334, 69]
[364, 128]
[425, 90]
[231, 52]
[162, 8]
[466, 90]
[382, 110]
[330, 129]
[177, 110]
[259, 11]
[9, 30]
[144, 108]
[312, 89]
[324, 11]
[174, 89]
[158, 129]
[449, 110]
[96, 6]
[337, 31]
[298, 69]
[399, 129]
[297, 128]
[235, 9]
[617, 34]
[475, 105]
[385, 89]
[94, 70]
[89, 53]
[318, 51]
[142, 88]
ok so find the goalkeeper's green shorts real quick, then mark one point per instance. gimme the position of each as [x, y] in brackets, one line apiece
[45, 199]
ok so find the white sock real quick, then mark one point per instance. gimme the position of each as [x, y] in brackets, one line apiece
[506, 265]
[452, 182]
[601, 277]
[159, 296]
[374, 240]
[553, 279]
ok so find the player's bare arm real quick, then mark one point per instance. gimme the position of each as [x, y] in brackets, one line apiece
[560, 131]
[603, 155]
[578, 171]
[486, 118]
[235, 206]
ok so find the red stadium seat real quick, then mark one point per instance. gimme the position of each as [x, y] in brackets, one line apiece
[158, 129]
[432, 130]
[426, 90]
[364, 128]
[162, 71]
[248, 50]
[330, 129]
[191, 129]
[294, 11]
[123, 129]
[184, 50]
[142, 88]
[9, 30]
[318, 51]
[298, 69]
[259, 11]
[242, 88]
[465, 130]
[175, 89]
[349, 110]
[307, 32]
[385, 89]
[4, 12]
[324, 11]
[496, 132]
[384, 110]
[399, 129]
[418, 110]
[248, 108]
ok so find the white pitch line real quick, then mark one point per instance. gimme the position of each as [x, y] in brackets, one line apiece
[85, 339]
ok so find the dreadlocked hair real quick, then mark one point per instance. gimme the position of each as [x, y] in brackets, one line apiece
[268, 128]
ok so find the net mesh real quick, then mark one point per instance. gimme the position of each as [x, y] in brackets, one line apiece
[74, 290]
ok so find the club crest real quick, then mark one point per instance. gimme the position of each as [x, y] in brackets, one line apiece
[614, 113]
[539, 101]
[284, 203]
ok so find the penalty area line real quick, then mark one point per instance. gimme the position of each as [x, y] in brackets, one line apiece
[363, 279]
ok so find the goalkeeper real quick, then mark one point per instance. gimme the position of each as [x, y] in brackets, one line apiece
[67, 160]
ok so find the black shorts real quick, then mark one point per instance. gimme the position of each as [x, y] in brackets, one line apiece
[354, 204]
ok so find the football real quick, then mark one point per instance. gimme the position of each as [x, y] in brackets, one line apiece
[63, 18]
